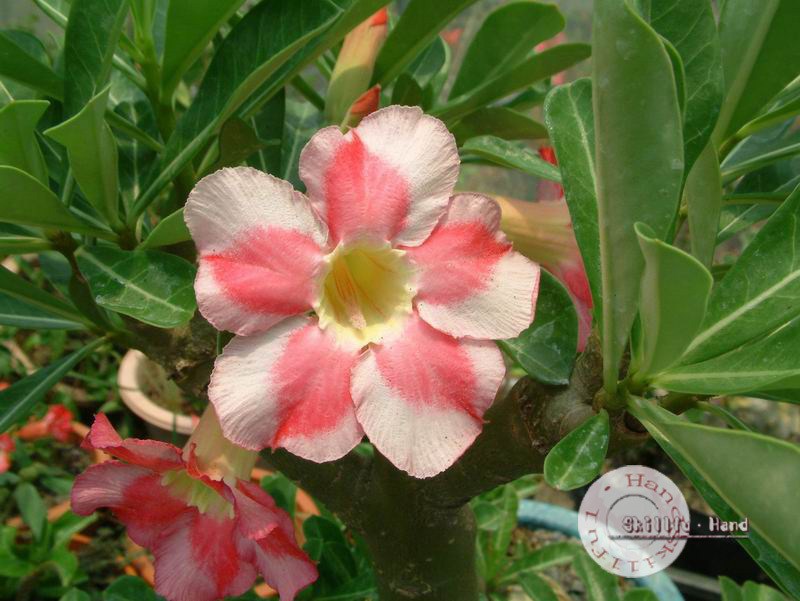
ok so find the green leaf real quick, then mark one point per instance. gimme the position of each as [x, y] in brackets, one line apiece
[500, 122]
[129, 588]
[731, 172]
[190, 26]
[600, 585]
[302, 122]
[31, 508]
[18, 245]
[18, 145]
[785, 105]
[269, 125]
[689, 25]
[407, 92]
[75, 594]
[546, 349]
[640, 594]
[674, 294]
[417, 27]
[569, 119]
[639, 155]
[263, 41]
[91, 37]
[19, 314]
[93, 157]
[500, 538]
[752, 366]
[41, 208]
[326, 544]
[703, 193]
[536, 68]
[19, 64]
[170, 230]
[18, 400]
[430, 62]
[760, 292]
[151, 286]
[729, 589]
[578, 457]
[504, 40]
[554, 554]
[739, 466]
[760, 592]
[760, 56]
[537, 588]
[15, 288]
[511, 155]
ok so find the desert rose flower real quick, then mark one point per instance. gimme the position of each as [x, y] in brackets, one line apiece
[408, 285]
[6, 448]
[210, 530]
[57, 422]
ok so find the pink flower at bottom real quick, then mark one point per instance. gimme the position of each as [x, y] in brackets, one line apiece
[408, 284]
[210, 530]
[6, 447]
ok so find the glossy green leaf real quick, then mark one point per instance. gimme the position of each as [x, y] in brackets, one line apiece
[269, 125]
[407, 92]
[18, 145]
[417, 27]
[639, 594]
[190, 26]
[151, 286]
[546, 349]
[537, 588]
[498, 121]
[129, 588]
[536, 68]
[554, 554]
[92, 151]
[505, 39]
[75, 594]
[18, 400]
[511, 155]
[785, 105]
[749, 367]
[41, 208]
[263, 41]
[93, 28]
[703, 194]
[730, 172]
[19, 64]
[570, 122]
[578, 457]
[31, 508]
[690, 27]
[170, 230]
[19, 289]
[18, 245]
[639, 155]
[236, 143]
[739, 466]
[674, 294]
[20, 314]
[302, 122]
[760, 292]
[760, 56]
[600, 585]
[500, 538]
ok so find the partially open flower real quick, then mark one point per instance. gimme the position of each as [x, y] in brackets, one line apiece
[366, 104]
[6, 448]
[409, 286]
[57, 422]
[211, 530]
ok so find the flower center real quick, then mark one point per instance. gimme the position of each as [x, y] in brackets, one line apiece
[365, 291]
[197, 494]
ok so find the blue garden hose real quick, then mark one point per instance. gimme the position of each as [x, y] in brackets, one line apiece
[535, 514]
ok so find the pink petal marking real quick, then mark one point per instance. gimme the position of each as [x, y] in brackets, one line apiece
[472, 283]
[287, 387]
[268, 272]
[259, 243]
[388, 179]
[152, 454]
[421, 397]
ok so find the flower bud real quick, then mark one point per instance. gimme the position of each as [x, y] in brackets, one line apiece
[353, 71]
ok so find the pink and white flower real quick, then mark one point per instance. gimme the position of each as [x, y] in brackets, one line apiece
[408, 285]
[210, 530]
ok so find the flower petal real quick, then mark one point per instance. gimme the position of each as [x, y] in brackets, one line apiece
[260, 246]
[288, 387]
[151, 454]
[133, 493]
[199, 558]
[421, 398]
[388, 179]
[274, 550]
[471, 282]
